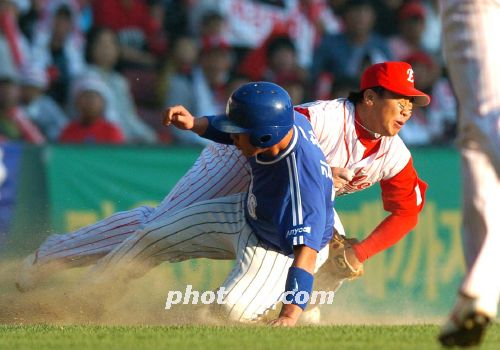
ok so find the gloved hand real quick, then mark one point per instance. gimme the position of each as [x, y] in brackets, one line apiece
[342, 264]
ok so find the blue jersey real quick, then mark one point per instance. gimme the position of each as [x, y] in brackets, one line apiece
[290, 198]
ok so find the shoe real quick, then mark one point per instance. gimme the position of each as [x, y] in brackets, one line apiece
[27, 276]
[466, 326]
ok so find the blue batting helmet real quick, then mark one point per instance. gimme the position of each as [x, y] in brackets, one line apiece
[261, 109]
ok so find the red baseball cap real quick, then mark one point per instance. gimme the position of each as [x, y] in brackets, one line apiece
[396, 77]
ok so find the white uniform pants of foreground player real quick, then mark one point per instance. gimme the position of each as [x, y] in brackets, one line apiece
[220, 170]
[475, 73]
[214, 229]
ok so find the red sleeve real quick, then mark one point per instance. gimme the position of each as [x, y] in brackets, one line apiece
[404, 193]
[404, 196]
[304, 111]
[387, 233]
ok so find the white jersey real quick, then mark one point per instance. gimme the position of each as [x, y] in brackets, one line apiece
[334, 126]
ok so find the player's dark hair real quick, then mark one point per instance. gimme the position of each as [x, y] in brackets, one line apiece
[357, 96]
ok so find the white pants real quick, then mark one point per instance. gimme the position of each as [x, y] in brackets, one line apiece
[214, 229]
[472, 49]
[219, 171]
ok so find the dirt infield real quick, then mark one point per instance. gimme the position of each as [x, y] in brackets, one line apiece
[66, 299]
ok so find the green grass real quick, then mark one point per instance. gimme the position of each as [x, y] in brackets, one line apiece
[228, 337]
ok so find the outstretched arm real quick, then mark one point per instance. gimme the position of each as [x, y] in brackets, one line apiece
[181, 118]
[392, 229]
[403, 196]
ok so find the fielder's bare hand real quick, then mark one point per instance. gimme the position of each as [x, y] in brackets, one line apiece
[341, 177]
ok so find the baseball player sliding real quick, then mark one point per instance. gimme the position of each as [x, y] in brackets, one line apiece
[471, 50]
[358, 137]
[274, 230]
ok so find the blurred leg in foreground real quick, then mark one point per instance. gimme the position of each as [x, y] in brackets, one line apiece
[471, 51]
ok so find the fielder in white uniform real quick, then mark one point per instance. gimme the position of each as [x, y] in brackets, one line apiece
[358, 137]
[472, 51]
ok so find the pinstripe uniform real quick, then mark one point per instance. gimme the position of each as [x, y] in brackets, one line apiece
[219, 171]
[472, 60]
[289, 203]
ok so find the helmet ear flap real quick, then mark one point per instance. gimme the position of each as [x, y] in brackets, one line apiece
[261, 137]
[255, 139]
[265, 138]
[268, 136]
[260, 141]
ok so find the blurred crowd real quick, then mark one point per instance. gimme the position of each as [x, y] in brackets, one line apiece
[101, 71]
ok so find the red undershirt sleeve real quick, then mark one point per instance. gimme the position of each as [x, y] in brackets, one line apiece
[385, 235]
[403, 195]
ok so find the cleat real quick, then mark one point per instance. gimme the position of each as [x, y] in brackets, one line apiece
[466, 326]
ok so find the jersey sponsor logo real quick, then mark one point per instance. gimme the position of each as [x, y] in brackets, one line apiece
[357, 183]
[295, 231]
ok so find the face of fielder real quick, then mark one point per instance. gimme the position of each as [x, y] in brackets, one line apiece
[390, 113]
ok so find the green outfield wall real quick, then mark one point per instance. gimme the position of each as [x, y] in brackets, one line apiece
[63, 188]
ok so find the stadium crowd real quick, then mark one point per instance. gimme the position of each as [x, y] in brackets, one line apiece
[94, 71]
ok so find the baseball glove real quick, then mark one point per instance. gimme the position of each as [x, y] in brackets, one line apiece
[337, 268]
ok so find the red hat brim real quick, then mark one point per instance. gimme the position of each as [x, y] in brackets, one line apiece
[419, 98]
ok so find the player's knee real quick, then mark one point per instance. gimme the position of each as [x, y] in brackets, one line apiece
[241, 310]
[236, 313]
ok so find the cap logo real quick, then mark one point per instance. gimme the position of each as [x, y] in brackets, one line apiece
[410, 75]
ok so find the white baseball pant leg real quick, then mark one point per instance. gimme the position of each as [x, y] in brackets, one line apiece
[214, 229]
[219, 171]
[472, 60]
